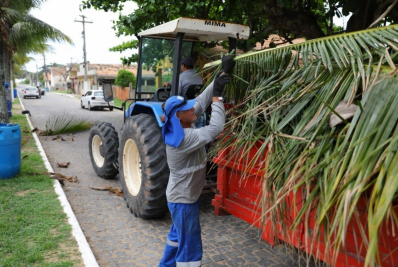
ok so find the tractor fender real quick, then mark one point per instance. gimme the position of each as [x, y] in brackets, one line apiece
[152, 108]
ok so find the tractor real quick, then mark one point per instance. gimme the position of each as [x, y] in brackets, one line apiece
[139, 153]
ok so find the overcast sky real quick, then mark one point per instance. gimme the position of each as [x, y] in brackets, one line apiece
[99, 35]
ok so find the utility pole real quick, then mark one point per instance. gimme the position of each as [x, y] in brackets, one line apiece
[37, 76]
[45, 73]
[84, 51]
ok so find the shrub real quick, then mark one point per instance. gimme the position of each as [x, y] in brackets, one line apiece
[124, 77]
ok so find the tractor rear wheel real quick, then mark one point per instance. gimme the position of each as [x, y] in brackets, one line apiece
[144, 172]
[103, 146]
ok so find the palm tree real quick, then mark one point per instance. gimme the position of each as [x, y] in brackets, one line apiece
[285, 98]
[18, 60]
[19, 28]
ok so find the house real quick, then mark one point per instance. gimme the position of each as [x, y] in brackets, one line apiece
[46, 79]
[59, 77]
[98, 71]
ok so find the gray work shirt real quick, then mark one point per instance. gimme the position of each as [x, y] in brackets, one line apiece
[187, 163]
[188, 78]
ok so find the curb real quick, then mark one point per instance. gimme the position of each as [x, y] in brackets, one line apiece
[84, 248]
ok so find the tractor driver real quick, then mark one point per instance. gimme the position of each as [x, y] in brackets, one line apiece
[188, 76]
[186, 157]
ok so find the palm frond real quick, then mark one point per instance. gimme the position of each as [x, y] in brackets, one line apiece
[284, 98]
[64, 122]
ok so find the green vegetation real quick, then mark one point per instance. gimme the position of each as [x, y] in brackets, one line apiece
[118, 102]
[33, 227]
[66, 123]
[26, 81]
[289, 19]
[124, 78]
[64, 91]
[285, 98]
[21, 34]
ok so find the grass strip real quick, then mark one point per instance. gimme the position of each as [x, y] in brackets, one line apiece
[33, 227]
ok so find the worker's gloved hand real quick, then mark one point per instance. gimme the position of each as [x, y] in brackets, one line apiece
[228, 63]
[220, 81]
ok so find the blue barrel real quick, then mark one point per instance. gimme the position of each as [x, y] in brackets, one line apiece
[9, 108]
[15, 93]
[10, 150]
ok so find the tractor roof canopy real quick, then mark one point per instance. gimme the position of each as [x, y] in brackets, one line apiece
[198, 30]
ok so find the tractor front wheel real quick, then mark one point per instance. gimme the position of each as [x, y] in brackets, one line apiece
[103, 146]
[144, 172]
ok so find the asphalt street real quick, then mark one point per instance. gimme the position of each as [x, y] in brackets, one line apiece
[116, 237]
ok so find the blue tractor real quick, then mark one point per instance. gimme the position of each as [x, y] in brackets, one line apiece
[139, 153]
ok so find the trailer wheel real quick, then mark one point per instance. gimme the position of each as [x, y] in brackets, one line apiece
[144, 172]
[103, 146]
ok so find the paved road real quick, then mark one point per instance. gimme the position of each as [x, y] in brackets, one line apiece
[116, 237]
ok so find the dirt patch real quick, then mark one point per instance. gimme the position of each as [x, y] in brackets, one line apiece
[24, 193]
[73, 255]
[66, 251]
[17, 106]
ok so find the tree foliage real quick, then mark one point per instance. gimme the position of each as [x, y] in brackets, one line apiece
[20, 31]
[124, 77]
[290, 19]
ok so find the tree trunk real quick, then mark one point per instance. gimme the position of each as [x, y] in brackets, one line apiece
[368, 12]
[295, 21]
[6, 62]
[3, 98]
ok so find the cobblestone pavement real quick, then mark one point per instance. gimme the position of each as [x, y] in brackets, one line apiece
[117, 238]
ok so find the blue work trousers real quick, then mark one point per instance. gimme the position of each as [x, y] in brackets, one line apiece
[184, 242]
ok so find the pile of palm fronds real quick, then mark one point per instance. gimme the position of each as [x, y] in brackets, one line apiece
[284, 97]
[65, 122]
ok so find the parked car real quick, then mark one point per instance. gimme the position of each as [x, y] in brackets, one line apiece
[31, 91]
[95, 99]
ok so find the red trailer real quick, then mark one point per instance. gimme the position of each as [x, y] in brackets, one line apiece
[241, 198]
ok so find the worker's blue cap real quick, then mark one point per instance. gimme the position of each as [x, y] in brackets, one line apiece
[173, 133]
[6, 85]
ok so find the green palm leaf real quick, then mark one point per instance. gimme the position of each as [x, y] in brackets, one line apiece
[284, 98]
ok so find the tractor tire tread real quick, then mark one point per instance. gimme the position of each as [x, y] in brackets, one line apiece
[150, 202]
[110, 141]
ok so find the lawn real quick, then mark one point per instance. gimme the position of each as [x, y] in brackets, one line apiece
[33, 227]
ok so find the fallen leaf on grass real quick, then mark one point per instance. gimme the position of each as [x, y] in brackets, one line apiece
[25, 157]
[63, 165]
[26, 130]
[116, 191]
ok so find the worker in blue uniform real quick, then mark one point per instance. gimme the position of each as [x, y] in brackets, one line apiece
[186, 157]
